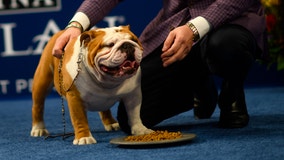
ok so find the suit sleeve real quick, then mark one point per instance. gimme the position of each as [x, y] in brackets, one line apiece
[94, 11]
[223, 11]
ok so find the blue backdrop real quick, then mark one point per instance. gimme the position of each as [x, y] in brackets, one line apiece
[26, 26]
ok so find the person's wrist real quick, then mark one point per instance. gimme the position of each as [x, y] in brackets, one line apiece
[196, 35]
[74, 24]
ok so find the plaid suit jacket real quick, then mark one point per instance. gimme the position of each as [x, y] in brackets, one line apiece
[248, 13]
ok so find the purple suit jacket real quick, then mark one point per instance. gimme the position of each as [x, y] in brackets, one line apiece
[248, 13]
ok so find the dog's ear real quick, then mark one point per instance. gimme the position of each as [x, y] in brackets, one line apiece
[127, 27]
[86, 38]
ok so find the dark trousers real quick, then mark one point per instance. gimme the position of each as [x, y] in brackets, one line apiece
[227, 52]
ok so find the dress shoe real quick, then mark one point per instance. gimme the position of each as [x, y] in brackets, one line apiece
[205, 99]
[233, 106]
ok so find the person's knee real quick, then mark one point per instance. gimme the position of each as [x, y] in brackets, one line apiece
[230, 39]
[230, 50]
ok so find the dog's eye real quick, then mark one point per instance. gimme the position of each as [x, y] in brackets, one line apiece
[109, 45]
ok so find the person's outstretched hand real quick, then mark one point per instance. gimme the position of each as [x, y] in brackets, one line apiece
[63, 40]
[177, 45]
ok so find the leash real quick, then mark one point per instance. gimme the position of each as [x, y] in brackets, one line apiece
[65, 135]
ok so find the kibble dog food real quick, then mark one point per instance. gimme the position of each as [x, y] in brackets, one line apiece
[154, 136]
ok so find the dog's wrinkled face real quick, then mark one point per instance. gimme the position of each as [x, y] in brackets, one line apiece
[114, 51]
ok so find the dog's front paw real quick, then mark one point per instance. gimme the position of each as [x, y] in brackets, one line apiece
[140, 130]
[39, 130]
[84, 141]
[111, 127]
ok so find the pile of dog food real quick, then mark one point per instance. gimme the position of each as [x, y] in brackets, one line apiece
[154, 136]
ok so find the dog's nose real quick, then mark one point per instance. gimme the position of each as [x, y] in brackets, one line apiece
[129, 49]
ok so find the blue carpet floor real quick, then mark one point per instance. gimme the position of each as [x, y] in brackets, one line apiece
[262, 139]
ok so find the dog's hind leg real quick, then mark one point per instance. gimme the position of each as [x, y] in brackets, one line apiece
[42, 85]
[108, 121]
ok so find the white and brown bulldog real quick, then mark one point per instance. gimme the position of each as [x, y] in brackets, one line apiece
[98, 69]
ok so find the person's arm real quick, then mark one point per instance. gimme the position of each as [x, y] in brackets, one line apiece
[89, 13]
[92, 11]
[223, 11]
[218, 13]
[177, 45]
[199, 26]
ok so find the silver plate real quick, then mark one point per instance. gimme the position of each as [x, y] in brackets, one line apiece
[122, 141]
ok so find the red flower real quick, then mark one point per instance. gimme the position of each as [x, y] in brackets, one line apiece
[270, 21]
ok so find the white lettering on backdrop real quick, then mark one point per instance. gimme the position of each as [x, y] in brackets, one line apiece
[23, 85]
[42, 39]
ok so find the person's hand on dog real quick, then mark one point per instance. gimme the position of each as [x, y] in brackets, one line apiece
[63, 40]
[177, 45]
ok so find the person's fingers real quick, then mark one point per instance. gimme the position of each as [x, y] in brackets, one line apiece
[171, 59]
[63, 40]
[168, 42]
[176, 53]
[169, 49]
[57, 53]
[58, 48]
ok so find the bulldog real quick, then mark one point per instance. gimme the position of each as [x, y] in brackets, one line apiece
[98, 69]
